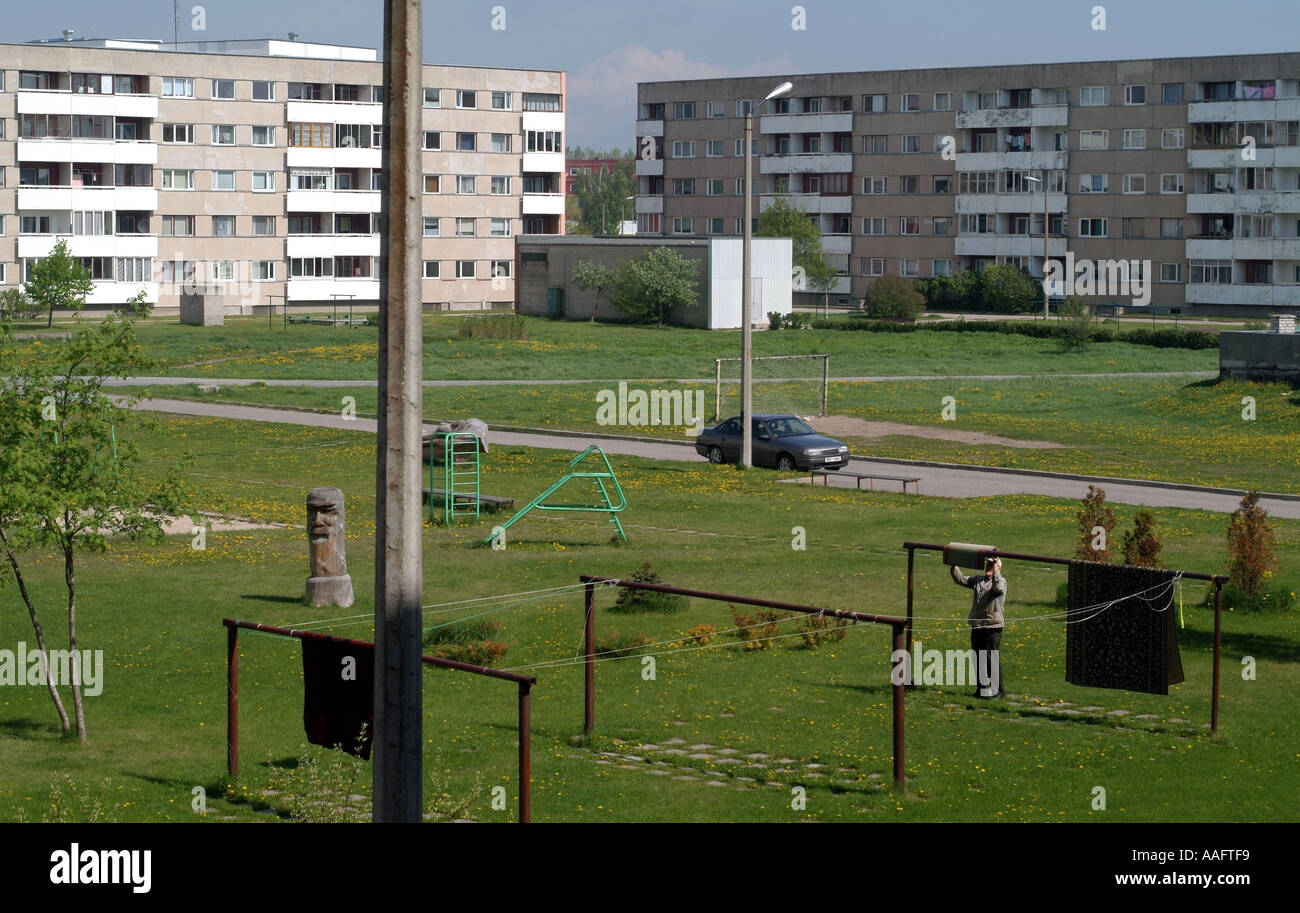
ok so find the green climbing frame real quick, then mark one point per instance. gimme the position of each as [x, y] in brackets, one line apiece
[460, 474]
[612, 506]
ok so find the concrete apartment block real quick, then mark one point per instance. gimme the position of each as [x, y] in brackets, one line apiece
[1189, 164]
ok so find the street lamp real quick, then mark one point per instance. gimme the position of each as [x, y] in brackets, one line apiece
[1046, 234]
[747, 286]
[622, 213]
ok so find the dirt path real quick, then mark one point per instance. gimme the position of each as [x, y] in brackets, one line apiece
[848, 426]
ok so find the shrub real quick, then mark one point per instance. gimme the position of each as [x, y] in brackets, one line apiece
[467, 642]
[1076, 329]
[701, 634]
[615, 644]
[1007, 289]
[638, 601]
[1163, 339]
[758, 631]
[1094, 513]
[822, 629]
[14, 305]
[497, 326]
[774, 320]
[480, 653]
[1140, 545]
[894, 297]
[1252, 547]
[1269, 599]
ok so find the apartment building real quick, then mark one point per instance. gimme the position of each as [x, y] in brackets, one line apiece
[255, 167]
[580, 168]
[1190, 165]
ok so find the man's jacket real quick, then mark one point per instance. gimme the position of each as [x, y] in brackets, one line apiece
[988, 599]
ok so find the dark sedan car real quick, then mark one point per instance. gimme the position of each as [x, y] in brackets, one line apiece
[785, 442]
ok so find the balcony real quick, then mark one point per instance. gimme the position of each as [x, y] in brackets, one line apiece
[324, 289]
[839, 122]
[1243, 109]
[334, 157]
[122, 292]
[1220, 158]
[333, 112]
[543, 162]
[1010, 202]
[1037, 116]
[990, 245]
[117, 152]
[649, 167]
[333, 201]
[649, 204]
[142, 199]
[837, 244]
[543, 204]
[1243, 249]
[1245, 201]
[332, 246]
[90, 245]
[1273, 296]
[809, 202]
[46, 102]
[1013, 161]
[649, 128]
[807, 163]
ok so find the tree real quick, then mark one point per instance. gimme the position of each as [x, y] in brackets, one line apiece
[1092, 514]
[1252, 547]
[894, 296]
[653, 284]
[592, 277]
[1076, 324]
[59, 280]
[71, 480]
[14, 305]
[1140, 545]
[602, 198]
[785, 220]
[957, 291]
[1006, 288]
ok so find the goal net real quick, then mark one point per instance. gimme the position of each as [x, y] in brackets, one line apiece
[794, 384]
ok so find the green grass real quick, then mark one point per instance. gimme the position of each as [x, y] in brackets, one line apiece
[158, 728]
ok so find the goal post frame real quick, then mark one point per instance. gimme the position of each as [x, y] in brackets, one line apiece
[717, 378]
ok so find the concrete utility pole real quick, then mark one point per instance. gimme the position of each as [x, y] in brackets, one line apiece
[399, 581]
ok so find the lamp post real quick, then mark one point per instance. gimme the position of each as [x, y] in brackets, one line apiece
[1046, 235]
[746, 289]
[622, 213]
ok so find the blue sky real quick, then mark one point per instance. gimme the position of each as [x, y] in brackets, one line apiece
[607, 47]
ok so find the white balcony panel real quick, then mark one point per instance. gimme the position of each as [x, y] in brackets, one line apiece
[1007, 246]
[543, 162]
[1010, 202]
[649, 167]
[1252, 249]
[325, 289]
[1286, 248]
[843, 286]
[332, 246]
[1220, 158]
[837, 204]
[992, 118]
[807, 163]
[1210, 202]
[837, 244]
[543, 204]
[58, 150]
[333, 201]
[1212, 112]
[1272, 296]
[145, 106]
[649, 204]
[338, 157]
[1209, 248]
[1249, 201]
[976, 161]
[103, 198]
[804, 202]
[122, 292]
[1227, 112]
[543, 120]
[334, 112]
[57, 198]
[1051, 160]
[90, 245]
[1287, 156]
[839, 122]
[649, 128]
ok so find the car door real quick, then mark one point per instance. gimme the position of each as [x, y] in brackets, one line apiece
[766, 445]
[729, 439]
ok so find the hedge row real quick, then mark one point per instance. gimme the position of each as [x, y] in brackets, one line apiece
[1164, 339]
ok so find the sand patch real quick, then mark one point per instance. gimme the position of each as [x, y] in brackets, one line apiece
[848, 426]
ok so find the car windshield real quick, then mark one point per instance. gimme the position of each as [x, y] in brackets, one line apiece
[785, 427]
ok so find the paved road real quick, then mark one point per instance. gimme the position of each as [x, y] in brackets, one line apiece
[361, 382]
[936, 479]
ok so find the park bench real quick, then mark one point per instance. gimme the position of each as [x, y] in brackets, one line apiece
[859, 476]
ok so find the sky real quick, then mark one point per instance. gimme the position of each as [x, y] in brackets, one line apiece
[608, 46]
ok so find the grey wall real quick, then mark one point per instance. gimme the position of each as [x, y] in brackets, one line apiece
[1258, 355]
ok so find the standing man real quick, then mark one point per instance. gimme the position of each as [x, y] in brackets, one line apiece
[985, 619]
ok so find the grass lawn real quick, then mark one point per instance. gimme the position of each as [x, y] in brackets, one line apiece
[158, 728]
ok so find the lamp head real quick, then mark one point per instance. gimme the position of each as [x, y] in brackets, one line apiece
[780, 90]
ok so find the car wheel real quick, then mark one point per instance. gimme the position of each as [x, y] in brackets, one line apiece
[785, 463]
[715, 455]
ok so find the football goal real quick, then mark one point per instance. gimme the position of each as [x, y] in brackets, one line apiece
[794, 384]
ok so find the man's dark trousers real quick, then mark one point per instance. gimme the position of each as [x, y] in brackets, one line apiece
[989, 640]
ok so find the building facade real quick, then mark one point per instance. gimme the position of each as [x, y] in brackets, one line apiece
[1187, 169]
[255, 167]
[577, 169]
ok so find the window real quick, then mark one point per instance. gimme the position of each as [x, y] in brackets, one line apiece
[1135, 183]
[684, 110]
[223, 226]
[1210, 272]
[716, 148]
[432, 98]
[177, 87]
[684, 187]
[177, 226]
[683, 226]
[177, 180]
[544, 141]
[716, 187]
[977, 182]
[431, 227]
[223, 134]
[433, 183]
[873, 104]
[1092, 228]
[500, 185]
[263, 136]
[263, 226]
[1172, 93]
[940, 267]
[465, 183]
[942, 226]
[1093, 183]
[1135, 139]
[263, 181]
[977, 224]
[873, 266]
[1171, 138]
[1094, 95]
[34, 225]
[1171, 228]
[223, 88]
[178, 133]
[263, 90]
[223, 270]
[683, 149]
[943, 101]
[177, 271]
[873, 225]
[501, 269]
[1171, 183]
[134, 269]
[909, 183]
[1094, 139]
[263, 270]
[317, 136]
[432, 141]
[465, 142]
[1133, 228]
[874, 186]
[911, 144]
[909, 102]
[538, 101]
[465, 228]
[431, 269]
[92, 223]
[942, 183]
[1135, 95]
[875, 144]
[910, 268]
[909, 225]
[223, 180]
[500, 142]
[466, 269]
[466, 98]
[500, 228]
[715, 226]
[500, 101]
[1171, 272]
